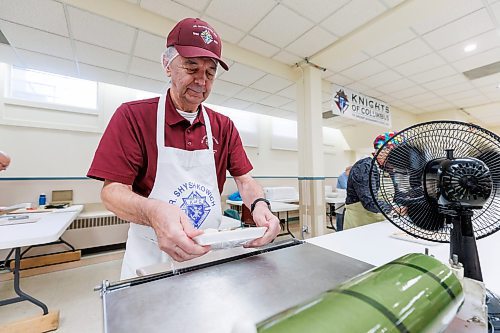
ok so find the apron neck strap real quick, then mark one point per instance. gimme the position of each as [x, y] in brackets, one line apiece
[160, 124]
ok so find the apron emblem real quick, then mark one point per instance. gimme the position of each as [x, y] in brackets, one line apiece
[196, 208]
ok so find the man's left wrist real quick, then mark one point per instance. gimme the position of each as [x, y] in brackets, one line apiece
[259, 201]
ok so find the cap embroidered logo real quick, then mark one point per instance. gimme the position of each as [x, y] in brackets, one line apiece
[207, 37]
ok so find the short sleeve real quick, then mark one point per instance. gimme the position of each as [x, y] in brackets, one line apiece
[120, 153]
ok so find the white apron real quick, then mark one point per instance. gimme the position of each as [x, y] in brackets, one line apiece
[187, 179]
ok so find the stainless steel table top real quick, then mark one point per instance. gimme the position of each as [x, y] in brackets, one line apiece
[213, 298]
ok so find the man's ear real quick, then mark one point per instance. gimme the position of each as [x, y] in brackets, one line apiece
[168, 71]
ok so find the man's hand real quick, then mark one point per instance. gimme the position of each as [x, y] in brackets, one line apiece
[174, 231]
[263, 217]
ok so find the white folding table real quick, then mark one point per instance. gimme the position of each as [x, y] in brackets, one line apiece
[379, 243]
[276, 207]
[47, 229]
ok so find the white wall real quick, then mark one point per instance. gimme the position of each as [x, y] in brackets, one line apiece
[46, 142]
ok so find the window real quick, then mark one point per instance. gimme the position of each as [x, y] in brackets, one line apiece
[246, 123]
[35, 86]
[284, 134]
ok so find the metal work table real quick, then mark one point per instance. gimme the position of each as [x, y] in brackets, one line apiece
[216, 296]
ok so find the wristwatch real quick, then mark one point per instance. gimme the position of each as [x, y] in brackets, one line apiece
[252, 206]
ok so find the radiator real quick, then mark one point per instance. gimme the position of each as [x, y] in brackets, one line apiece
[93, 231]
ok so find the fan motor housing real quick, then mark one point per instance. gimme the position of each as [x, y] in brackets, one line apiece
[462, 183]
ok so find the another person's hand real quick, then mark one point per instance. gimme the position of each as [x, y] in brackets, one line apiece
[400, 210]
[174, 231]
[263, 217]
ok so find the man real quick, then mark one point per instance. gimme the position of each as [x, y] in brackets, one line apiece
[4, 161]
[360, 207]
[342, 180]
[342, 184]
[164, 161]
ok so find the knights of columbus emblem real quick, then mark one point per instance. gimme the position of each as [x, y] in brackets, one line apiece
[196, 208]
[341, 101]
[207, 37]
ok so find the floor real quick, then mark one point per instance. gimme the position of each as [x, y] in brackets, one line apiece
[69, 288]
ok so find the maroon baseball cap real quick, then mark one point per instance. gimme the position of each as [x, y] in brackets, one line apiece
[193, 37]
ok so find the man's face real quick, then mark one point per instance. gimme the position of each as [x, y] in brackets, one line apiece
[192, 80]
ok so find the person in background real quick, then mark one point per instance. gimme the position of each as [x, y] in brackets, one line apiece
[4, 161]
[164, 160]
[342, 184]
[360, 207]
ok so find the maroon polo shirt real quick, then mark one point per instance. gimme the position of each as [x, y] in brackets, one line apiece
[128, 154]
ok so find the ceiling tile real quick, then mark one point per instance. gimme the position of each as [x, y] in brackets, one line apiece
[149, 46]
[99, 74]
[466, 94]
[439, 107]
[47, 63]
[22, 37]
[340, 63]
[404, 53]
[364, 69]
[271, 83]
[311, 42]
[315, 10]
[235, 103]
[225, 88]
[478, 60]
[358, 13]
[469, 101]
[340, 79]
[382, 78]
[245, 15]
[483, 111]
[149, 69]
[455, 10]
[360, 87]
[290, 92]
[421, 64]
[398, 85]
[460, 30]
[198, 5]
[138, 82]
[169, 9]
[216, 99]
[8, 56]
[242, 74]
[101, 57]
[392, 3]
[226, 32]
[260, 108]
[273, 22]
[484, 42]
[292, 106]
[250, 94]
[287, 58]
[465, 86]
[45, 15]
[433, 74]
[101, 31]
[275, 101]
[258, 46]
[391, 40]
[447, 81]
[412, 91]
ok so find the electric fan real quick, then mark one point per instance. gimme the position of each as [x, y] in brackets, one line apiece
[440, 181]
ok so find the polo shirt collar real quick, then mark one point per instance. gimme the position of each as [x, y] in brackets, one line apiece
[173, 117]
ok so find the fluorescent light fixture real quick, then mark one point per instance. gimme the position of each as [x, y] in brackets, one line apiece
[470, 47]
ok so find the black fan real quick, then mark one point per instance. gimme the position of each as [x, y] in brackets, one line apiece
[440, 181]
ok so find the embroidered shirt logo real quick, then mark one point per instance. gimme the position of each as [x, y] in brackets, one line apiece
[196, 208]
[207, 36]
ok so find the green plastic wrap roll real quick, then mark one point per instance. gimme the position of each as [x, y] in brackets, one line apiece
[415, 293]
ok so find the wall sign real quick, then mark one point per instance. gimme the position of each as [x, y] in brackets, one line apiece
[350, 104]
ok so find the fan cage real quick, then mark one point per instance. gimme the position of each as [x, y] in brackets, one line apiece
[397, 185]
